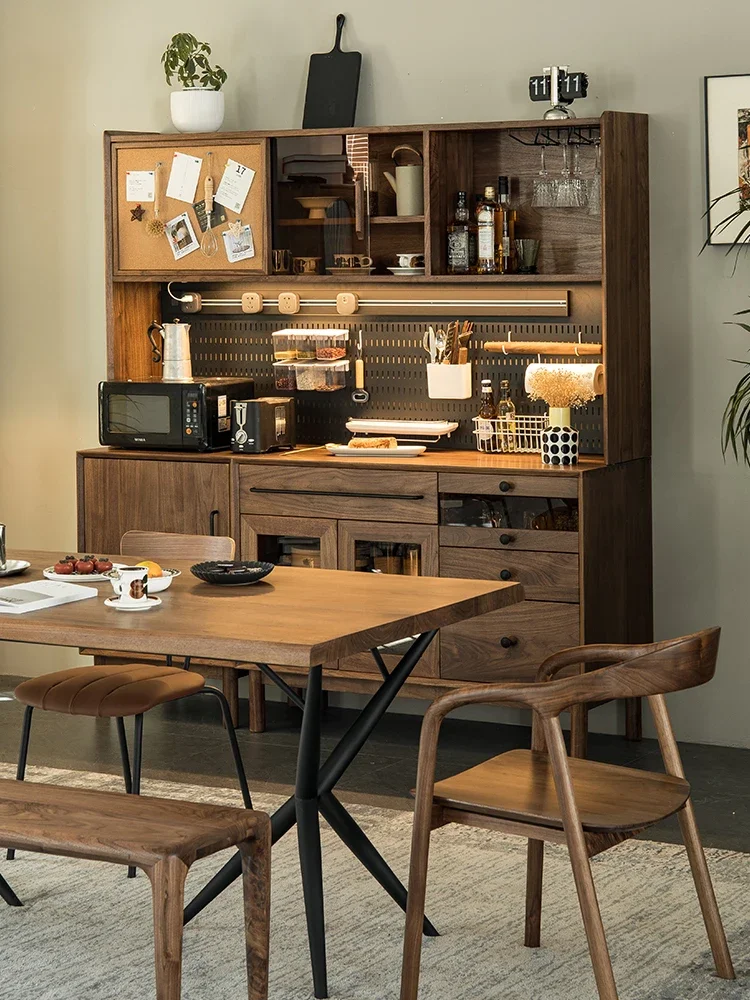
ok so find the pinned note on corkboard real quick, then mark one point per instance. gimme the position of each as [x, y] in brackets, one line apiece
[135, 252]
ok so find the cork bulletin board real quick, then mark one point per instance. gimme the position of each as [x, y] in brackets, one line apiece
[137, 252]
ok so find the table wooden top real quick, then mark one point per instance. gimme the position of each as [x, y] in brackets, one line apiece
[295, 617]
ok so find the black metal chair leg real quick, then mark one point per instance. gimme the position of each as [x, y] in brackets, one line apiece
[124, 756]
[137, 759]
[229, 726]
[23, 754]
[7, 894]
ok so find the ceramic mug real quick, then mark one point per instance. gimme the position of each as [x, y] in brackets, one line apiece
[306, 265]
[131, 583]
[410, 259]
[352, 260]
[282, 261]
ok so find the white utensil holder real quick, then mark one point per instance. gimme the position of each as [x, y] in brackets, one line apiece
[449, 381]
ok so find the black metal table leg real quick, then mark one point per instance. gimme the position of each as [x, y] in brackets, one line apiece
[7, 894]
[308, 829]
[329, 774]
[23, 754]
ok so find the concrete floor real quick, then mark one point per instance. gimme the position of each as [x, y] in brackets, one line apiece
[185, 742]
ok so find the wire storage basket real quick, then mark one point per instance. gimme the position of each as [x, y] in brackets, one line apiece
[510, 434]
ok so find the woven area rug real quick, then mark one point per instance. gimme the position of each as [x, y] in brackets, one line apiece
[85, 930]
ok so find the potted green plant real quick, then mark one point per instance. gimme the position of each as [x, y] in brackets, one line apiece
[199, 106]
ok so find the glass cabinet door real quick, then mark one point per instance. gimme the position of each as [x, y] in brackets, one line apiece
[320, 204]
[290, 541]
[401, 549]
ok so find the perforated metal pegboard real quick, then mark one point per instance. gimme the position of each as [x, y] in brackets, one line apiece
[395, 372]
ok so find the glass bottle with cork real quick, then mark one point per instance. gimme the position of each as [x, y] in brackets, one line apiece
[486, 227]
[505, 229]
[506, 414]
[462, 239]
[486, 416]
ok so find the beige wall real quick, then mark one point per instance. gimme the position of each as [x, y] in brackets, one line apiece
[71, 70]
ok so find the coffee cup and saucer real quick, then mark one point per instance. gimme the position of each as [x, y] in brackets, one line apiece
[408, 265]
[133, 591]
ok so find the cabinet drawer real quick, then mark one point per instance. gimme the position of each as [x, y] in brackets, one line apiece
[360, 494]
[509, 539]
[545, 576]
[473, 650]
[484, 484]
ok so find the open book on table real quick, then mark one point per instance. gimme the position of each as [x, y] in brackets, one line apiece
[39, 594]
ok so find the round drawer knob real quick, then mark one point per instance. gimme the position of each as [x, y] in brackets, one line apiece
[505, 574]
[508, 640]
[505, 486]
[506, 539]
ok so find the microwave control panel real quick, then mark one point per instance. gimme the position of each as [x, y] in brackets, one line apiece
[192, 415]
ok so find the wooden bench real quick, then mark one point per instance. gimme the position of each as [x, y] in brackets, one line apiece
[164, 838]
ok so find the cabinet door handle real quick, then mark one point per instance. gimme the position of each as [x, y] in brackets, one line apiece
[505, 486]
[506, 539]
[212, 522]
[508, 641]
[336, 493]
[505, 574]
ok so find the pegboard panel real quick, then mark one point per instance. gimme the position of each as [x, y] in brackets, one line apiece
[395, 373]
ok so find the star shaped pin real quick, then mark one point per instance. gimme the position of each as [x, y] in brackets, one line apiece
[137, 213]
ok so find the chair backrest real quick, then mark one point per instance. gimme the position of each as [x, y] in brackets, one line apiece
[158, 545]
[641, 671]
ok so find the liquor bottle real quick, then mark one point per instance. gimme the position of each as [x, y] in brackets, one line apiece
[506, 413]
[462, 239]
[505, 228]
[486, 221]
[486, 416]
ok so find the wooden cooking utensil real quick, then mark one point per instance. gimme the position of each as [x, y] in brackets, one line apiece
[155, 227]
[209, 243]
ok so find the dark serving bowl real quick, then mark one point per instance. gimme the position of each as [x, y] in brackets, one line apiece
[231, 574]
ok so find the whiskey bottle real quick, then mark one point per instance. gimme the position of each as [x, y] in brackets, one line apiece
[505, 228]
[461, 239]
[486, 416]
[506, 414]
[486, 222]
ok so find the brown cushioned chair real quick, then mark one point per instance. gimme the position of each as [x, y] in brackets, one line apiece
[119, 691]
[542, 795]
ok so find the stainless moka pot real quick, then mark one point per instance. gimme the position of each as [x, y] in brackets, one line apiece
[173, 351]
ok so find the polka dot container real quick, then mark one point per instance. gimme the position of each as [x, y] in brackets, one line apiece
[560, 446]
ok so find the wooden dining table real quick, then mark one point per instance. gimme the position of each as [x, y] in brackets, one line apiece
[295, 617]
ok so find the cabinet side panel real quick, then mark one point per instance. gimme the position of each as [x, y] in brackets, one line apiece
[616, 556]
[626, 303]
[131, 309]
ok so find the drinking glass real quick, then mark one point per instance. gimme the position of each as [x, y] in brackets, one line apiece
[545, 195]
[564, 183]
[580, 190]
[526, 254]
[595, 185]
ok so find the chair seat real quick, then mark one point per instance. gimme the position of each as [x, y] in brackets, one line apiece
[519, 786]
[108, 690]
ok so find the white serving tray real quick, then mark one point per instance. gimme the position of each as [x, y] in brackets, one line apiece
[400, 451]
[403, 428]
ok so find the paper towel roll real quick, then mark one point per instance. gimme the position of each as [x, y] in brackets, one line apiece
[564, 384]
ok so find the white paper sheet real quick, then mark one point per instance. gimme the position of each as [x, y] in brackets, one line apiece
[139, 185]
[234, 186]
[184, 177]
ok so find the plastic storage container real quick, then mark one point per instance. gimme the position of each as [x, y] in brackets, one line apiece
[304, 345]
[331, 345]
[284, 346]
[321, 376]
[285, 375]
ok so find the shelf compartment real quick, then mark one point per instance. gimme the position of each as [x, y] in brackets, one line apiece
[391, 220]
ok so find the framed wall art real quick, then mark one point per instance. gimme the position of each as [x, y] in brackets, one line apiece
[727, 106]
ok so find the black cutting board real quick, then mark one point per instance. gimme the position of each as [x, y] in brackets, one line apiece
[332, 85]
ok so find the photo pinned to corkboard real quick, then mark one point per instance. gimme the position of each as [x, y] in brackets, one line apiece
[179, 224]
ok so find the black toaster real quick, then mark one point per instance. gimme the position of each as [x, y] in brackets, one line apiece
[265, 424]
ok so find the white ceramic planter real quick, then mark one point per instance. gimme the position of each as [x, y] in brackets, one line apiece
[197, 110]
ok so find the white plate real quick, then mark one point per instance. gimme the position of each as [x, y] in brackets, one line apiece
[14, 566]
[156, 584]
[50, 574]
[402, 428]
[400, 451]
[114, 602]
[407, 272]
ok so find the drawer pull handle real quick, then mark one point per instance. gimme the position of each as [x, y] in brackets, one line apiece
[508, 640]
[335, 493]
[506, 539]
[505, 486]
[505, 574]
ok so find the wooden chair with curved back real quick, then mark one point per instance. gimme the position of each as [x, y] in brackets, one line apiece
[541, 794]
[161, 546]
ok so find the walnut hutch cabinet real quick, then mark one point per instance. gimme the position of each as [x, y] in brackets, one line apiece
[578, 538]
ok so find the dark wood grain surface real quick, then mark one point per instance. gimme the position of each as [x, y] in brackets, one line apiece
[292, 618]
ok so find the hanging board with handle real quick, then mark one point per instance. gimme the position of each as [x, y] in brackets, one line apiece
[332, 85]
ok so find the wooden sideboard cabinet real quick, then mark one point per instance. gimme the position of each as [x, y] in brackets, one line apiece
[579, 540]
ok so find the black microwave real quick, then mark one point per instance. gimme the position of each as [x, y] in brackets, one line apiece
[184, 416]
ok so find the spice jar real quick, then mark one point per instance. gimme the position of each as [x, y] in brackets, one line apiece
[331, 345]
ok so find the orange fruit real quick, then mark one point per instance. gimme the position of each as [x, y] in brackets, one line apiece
[154, 569]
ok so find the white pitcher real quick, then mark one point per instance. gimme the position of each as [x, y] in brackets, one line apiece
[408, 183]
[174, 350]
